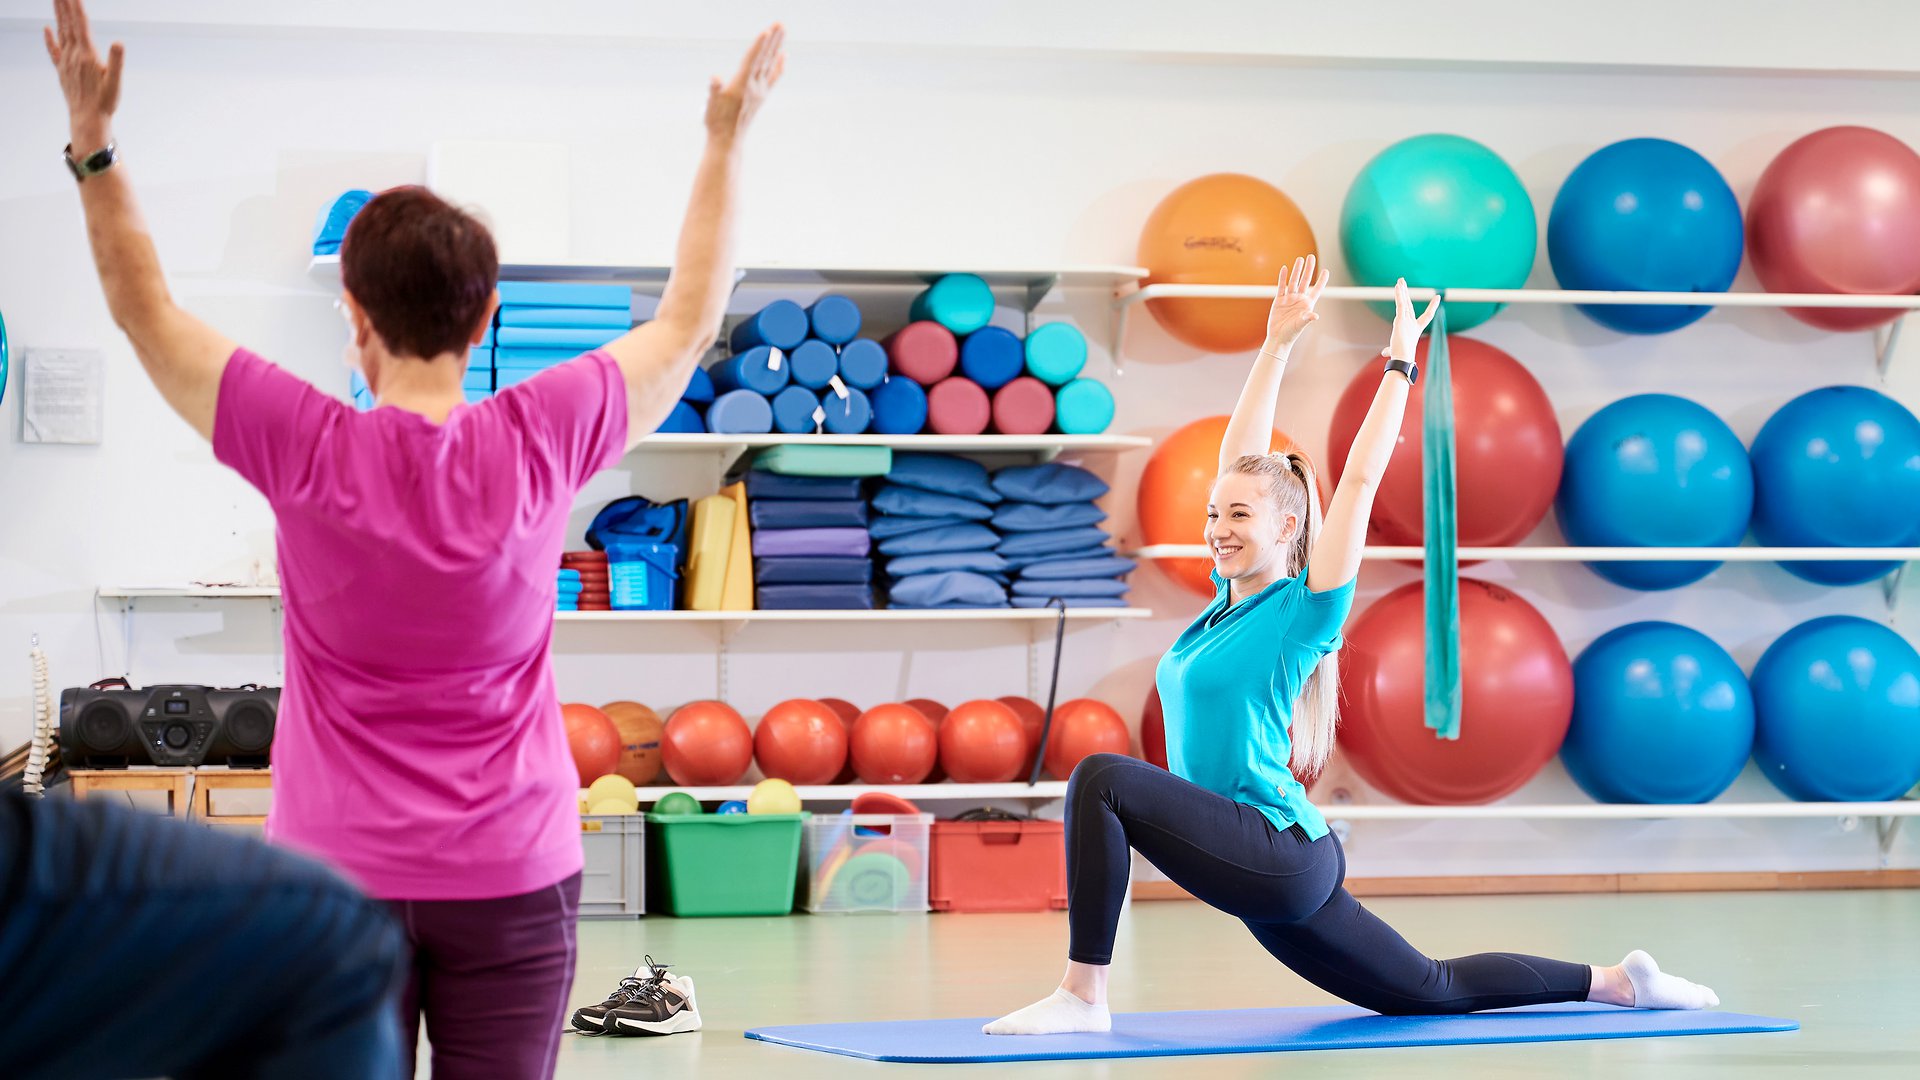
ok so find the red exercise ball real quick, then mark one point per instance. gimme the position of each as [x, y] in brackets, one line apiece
[802, 742]
[1153, 730]
[707, 744]
[1222, 229]
[893, 744]
[594, 740]
[982, 742]
[1032, 718]
[935, 713]
[1507, 448]
[848, 712]
[1838, 211]
[1174, 488]
[1516, 697]
[1081, 728]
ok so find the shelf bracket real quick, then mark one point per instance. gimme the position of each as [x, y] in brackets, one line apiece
[1888, 829]
[1885, 342]
[1117, 328]
[1037, 290]
[1890, 587]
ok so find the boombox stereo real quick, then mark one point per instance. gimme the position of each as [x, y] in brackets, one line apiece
[167, 725]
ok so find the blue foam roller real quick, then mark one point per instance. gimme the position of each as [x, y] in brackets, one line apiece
[563, 294]
[863, 363]
[757, 370]
[834, 319]
[814, 363]
[850, 415]
[330, 225]
[781, 324]
[1244, 1031]
[1055, 353]
[740, 412]
[960, 302]
[1083, 407]
[793, 410]
[899, 406]
[683, 420]
[699, 387]
[992, 357]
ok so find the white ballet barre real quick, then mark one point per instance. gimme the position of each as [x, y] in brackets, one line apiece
[1594, 554]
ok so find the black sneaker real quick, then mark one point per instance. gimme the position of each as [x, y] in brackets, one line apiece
[665, 1007]
[593, 1018]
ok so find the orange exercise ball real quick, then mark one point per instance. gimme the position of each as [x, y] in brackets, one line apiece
[1172, 498]
[848, 712]
[935, 713]
[1153, 730]
[594, 740]
[893, 744]
[640, 729]
[707, 744]
[982, 742]
[1507, 450]
[1223, 229]
[1516, 697]
[1032, 717]
[802, 742]
[1081, 728]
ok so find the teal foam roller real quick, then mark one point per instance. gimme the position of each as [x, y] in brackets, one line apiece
[1083, 407]
[1055, 353]
[960, 302]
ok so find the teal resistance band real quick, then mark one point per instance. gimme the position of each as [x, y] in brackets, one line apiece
[1442, 540]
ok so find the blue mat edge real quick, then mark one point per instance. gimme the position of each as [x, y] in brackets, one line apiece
[1749, 1024]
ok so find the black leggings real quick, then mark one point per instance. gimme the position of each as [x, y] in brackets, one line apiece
[1286, 888]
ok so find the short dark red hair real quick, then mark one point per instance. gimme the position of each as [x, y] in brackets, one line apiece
[421, 268]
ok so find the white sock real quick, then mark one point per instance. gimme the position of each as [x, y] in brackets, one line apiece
[1055, 1014]
[1654, 989]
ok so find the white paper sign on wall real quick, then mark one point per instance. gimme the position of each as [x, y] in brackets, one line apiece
[62, 396]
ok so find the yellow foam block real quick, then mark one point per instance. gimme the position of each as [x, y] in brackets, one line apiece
[711, 539]
[738, 594]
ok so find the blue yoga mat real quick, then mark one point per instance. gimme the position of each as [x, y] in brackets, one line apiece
[1250, 1031]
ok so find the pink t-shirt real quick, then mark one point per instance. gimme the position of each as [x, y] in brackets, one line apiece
[419, 746]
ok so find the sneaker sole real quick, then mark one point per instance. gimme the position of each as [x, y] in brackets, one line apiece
[684, 1020]
[583, 1022]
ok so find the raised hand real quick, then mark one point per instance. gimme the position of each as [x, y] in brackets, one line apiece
[92, 89]
[1407, 328]
[731, 105]
[1293, 305]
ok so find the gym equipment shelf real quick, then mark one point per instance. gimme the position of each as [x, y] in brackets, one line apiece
[1046, 790]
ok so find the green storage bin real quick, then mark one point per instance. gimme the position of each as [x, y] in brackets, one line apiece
[729, 864]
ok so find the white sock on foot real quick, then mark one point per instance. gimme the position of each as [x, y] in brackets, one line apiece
[1654, 989]
[1056, 1014]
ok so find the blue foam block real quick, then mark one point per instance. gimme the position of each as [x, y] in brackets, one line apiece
[620, 319]
[1251, 1031]
[563, 294]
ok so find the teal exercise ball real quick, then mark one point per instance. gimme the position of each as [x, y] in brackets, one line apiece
[1661, 714]
[1838, 704]
[1441, 211]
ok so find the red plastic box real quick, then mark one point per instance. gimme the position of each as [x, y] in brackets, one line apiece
[998, 866]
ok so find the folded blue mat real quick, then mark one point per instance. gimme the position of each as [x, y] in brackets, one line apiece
[1033, 517]
[1249, 1031]
[1052, 541]
[968, 537]
[1077, 601]
[560, 294]
[849, 543]
[985, 562]
[884, 527]
[807, 513]
[1051, 483]
[812, 570]
[948, 587]
[1099, 566]
[608, 318]
[913, 502]
[813, 597]
[1071, 588]
[1021, 562]
[770, 485]
[943, 474]
[578, 338]
[507, 356]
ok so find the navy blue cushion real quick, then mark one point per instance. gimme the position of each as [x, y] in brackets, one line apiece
[944, 474]
[985, 562]
[1033, 517]
[1097, 566]
[1020, 562]
[882, 527]
[769, 485]
[954, 587]
[812, 570]
[1071, 588]
[916, 502]
[813, 597]
[1077, 601]
[1052, 483]
[807, 513]
[1053, 541]
[967, 537]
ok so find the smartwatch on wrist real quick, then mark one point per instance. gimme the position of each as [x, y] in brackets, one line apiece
[1405, 367]
[93, 164]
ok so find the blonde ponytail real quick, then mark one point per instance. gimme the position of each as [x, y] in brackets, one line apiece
[1295, 490]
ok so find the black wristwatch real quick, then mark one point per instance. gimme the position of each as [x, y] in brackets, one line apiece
[93, 164]
[1406, 367]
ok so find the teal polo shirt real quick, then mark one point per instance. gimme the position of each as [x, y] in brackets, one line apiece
[1227, 689]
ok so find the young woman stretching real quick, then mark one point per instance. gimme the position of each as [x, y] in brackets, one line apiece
[1229, 823]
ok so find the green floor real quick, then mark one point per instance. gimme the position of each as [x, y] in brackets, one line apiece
[1844, 964]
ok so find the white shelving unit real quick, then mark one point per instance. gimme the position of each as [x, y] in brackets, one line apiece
[1044, 791]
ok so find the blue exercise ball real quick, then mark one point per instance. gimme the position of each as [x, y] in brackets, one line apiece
[1661, 714]
[1838, 467]
[1654, 470]
[1645, 215]
[1838, 704]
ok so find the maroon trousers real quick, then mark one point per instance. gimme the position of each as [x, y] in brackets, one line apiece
[491, 978]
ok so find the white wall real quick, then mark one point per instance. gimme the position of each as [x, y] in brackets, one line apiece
[943, 155]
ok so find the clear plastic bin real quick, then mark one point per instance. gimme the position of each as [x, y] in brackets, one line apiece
[867, 862]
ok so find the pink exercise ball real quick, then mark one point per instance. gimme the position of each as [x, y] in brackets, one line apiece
[1838, 211]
